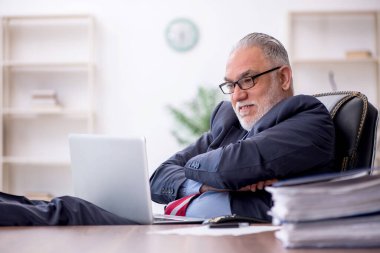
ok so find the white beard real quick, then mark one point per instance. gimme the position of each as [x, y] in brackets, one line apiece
[273, 97]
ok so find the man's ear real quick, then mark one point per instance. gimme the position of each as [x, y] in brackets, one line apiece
[285, 77]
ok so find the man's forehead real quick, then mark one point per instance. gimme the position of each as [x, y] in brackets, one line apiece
[243, 62]
[240, 75]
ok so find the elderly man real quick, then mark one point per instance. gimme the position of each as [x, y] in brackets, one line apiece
[264, 133]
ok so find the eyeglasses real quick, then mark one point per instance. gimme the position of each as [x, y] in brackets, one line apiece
[244, 83]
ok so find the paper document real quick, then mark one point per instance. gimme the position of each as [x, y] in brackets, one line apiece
[326, 200]
[205, 230]
[343, 212]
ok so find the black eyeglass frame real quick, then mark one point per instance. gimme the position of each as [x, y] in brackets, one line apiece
[252, 77]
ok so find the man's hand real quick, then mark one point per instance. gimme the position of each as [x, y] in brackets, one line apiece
[206, 188]
[258, 186]
[253, 187]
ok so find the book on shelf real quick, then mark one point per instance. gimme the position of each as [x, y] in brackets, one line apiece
[340, 211]
[358, 54]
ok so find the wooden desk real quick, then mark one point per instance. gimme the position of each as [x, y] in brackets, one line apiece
[134, 239]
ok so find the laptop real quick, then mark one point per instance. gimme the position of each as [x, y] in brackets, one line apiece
[112, 173]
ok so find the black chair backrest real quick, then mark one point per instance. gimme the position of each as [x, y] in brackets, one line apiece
[355, 121]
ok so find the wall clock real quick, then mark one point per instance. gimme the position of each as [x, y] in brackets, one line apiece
[181, 34]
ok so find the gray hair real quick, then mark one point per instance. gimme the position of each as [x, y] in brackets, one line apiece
[272, 48]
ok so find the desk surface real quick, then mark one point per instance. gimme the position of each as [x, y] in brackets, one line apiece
[136, 239]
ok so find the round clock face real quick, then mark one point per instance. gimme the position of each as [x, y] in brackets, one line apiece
[182, 34]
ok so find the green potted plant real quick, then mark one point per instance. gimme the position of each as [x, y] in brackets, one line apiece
[193, 119]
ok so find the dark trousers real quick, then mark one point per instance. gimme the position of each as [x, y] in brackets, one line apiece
[66, 210]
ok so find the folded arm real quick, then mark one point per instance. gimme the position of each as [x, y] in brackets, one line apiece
[168, 180]
[252, 187]
[284, 143]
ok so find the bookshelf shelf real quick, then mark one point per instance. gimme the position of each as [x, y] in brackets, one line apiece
[47, 66]
[28, 113]
[334, 61]
[35, 161]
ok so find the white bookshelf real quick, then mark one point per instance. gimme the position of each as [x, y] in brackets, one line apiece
[44, 55]
[319, 44]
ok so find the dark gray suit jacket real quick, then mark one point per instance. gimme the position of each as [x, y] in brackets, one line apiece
[296, 137]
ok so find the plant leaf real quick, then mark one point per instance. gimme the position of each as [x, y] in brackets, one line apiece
[193, 118]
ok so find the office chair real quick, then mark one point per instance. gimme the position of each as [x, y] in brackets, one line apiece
[355, 121]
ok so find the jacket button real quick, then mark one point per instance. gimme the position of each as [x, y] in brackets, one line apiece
[195, 165]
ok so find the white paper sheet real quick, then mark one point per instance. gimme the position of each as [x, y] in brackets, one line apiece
[205, 230]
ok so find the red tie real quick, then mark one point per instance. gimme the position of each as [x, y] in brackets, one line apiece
[178, 207]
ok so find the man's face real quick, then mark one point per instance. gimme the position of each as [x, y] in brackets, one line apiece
[251, 104]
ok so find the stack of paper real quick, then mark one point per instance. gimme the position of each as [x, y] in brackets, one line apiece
[344, 212]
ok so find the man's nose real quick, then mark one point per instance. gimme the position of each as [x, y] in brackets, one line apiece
[239, 94]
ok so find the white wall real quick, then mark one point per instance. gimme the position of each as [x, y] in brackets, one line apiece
[138, 75]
